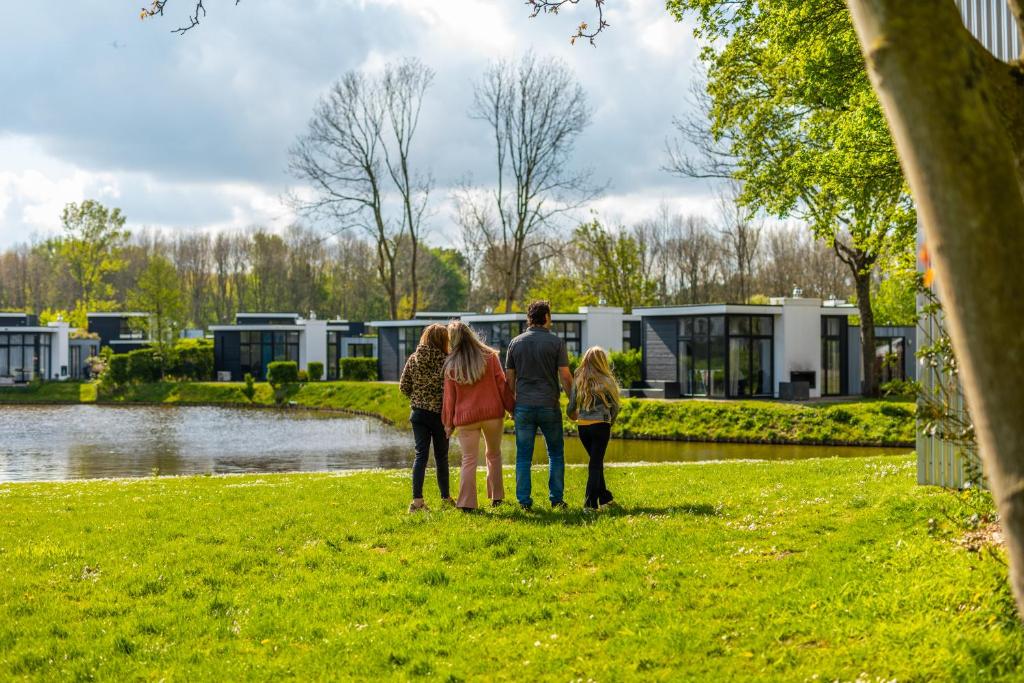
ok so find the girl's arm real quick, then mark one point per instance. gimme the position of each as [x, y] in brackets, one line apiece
[448, 405]
[570, 409]
[405, 382]
[508, 400]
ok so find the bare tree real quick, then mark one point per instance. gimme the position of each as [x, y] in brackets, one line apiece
[356, 149]
[224, 307]
[405, 84]
[741, 233]
[535, 110]
[192, 260]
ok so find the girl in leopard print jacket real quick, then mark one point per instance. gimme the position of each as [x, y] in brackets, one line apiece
[423, 382]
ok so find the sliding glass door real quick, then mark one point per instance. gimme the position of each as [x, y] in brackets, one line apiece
[726, 356]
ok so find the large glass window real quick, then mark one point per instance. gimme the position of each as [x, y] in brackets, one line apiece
[723, 356]
[257, 350]
[360, 350]
[25, 356]
[889, 358]
[750, 355]
[333, 354]
[408, 338]
[570, 331]
[833, 350]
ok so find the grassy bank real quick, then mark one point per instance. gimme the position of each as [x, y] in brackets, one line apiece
[869, 423]
[813, 570]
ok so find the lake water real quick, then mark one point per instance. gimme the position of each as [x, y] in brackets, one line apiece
[85, 442]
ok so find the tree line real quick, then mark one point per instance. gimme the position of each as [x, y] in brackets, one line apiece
[203, 278]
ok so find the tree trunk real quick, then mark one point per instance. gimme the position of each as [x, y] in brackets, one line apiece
[414, 283]
[957, 117]
[862, 280]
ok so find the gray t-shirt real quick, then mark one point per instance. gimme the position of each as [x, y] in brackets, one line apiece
[536, 355]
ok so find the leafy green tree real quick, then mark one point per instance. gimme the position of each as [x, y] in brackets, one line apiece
[445, 286]
[159, 293]
[615, 270]
[794, 119]
[94, 237]
[894, 302]
[562, 290]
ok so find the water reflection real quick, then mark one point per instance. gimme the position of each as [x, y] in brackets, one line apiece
[82, 442]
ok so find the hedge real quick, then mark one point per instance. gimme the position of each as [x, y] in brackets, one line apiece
[117, 369]
[283, 372]
[144, 365]
[315, 370]
[191, 359]
[358, 369]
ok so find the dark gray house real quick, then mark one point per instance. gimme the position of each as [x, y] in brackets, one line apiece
[760, 351]
[257, 339]
[117, 331]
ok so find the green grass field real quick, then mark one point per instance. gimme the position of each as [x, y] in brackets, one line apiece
[795, 571]
[864, 423]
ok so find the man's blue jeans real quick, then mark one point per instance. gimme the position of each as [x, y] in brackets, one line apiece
[549, 420]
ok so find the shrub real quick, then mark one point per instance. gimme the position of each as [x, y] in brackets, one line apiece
[626, 366]
[316, 371]
[303, 376]
[144, 365]
[117, 370]
[97, 365]
[249, 390]
[191, 359]
[358, 369]
[283, 372]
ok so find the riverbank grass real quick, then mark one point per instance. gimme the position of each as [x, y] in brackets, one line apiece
[794, 571]
[857, 423]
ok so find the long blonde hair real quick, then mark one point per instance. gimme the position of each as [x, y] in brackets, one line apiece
[467, 361]
[594, 380]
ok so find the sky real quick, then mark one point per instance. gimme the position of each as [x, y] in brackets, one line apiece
[192, 132]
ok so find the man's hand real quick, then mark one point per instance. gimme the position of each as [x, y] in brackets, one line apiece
[566, 377]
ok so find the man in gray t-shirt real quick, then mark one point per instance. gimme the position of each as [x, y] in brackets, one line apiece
[536, 364]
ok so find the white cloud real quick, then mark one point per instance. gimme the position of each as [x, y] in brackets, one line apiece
[193, 132]
[35, 187]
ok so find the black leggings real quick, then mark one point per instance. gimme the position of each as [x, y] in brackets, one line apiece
[595, 439]
[427, 428]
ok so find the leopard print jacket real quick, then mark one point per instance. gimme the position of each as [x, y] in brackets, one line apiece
[422, 380]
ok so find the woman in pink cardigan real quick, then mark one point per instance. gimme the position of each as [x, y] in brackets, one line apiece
[476, 398]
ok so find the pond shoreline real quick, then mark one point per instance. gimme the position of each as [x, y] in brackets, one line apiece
[857, 424]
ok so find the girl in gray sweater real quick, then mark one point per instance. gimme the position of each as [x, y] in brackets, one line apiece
[594, 405]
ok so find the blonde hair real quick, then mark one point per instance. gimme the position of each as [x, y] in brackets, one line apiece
[594, 380]
[435, 335]
[467, 361]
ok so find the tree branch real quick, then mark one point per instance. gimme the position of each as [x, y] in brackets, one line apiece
[157, 8]
[583, 31]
